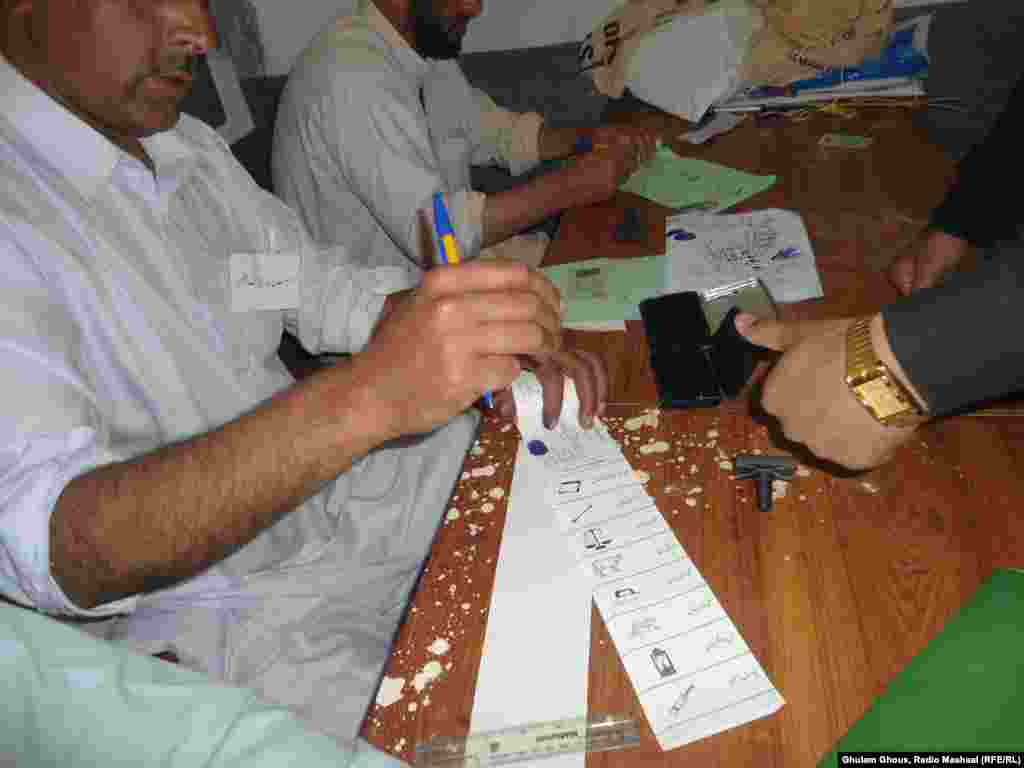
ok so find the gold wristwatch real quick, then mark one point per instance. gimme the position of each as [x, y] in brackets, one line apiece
[874, 385]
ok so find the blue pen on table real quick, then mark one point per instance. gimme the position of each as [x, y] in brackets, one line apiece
[448, 249]
[586, 144]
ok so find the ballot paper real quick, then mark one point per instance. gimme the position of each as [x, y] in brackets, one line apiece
[704, 251]
[536, 651]
[692, 670]
[682, 182]
[602, 293]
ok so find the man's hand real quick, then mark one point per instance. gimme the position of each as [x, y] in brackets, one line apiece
[439, 348]
[927, 261]
[807, 391]
[587, 372]
[595, 176]
[642, 141]
[618, 153]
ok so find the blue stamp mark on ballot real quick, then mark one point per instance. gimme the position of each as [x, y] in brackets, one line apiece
[681, 235]
[787, 253]
[537, 447]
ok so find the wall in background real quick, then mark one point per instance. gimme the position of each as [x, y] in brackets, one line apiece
[289, 26]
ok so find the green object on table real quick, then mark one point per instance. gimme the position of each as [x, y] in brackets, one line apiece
[963, 692]
[675, 181]
[845, 141]
[607, 290]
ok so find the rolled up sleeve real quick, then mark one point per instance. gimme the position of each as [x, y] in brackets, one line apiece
[382, 149]
[340, 303]
[510, 138]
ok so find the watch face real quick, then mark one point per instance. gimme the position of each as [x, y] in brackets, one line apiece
[883, 397]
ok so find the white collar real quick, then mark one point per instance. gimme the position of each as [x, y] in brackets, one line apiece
[379, 23]
[83, 155]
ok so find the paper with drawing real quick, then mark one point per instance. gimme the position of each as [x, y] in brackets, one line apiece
[704, 251]
[692, 671]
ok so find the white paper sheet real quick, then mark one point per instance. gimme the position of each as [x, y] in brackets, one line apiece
[692, 670]
[722, 122]
[706, 251]
[537, 645]
[691, 62]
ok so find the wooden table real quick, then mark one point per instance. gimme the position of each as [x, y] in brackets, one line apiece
[845, 580]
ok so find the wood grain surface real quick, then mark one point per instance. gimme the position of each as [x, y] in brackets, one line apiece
[845, 579]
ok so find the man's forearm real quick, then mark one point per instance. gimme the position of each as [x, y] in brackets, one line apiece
[958, 342]
[156, 520]
[976, 208]
[512, 211]
[880, 343]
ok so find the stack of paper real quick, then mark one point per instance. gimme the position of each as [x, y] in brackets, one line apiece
[897, 73]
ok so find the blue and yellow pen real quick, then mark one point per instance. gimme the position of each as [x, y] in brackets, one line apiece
[448, 248]
[586, 144]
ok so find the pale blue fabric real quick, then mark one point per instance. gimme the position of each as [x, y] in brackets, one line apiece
[69, 699]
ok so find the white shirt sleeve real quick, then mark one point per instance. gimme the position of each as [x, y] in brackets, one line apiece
[340, 304]
[339, 301]
[51, 428]
[377, 140]
[511, 138]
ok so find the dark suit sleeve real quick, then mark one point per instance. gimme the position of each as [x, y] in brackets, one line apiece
[981, 206]
[963, 341]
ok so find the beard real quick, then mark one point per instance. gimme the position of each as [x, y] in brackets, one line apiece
[434, 37]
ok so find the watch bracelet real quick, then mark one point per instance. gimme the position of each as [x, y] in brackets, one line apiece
[863, 366]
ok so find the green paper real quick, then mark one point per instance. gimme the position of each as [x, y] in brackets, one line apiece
[963, 692]
[845, 141]
[675, 181]
[607, 290]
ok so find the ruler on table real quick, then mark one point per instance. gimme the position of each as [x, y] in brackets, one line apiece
[532, 741]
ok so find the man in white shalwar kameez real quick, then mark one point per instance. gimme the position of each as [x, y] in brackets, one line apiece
[379, 95]
[159, 468]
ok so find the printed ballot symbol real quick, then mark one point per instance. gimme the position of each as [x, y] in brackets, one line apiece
[576, 519]
[680, 703]
[608, 566]
[569, 487]
[663, 662]
[595, 539]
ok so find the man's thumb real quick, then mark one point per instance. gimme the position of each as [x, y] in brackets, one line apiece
[771, 334]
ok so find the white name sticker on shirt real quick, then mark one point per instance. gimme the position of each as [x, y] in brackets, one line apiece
[264, 281]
